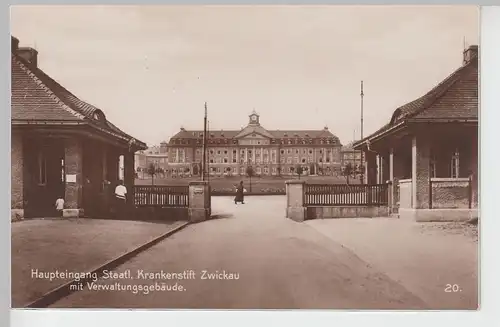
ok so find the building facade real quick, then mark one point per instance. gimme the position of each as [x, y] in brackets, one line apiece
[351, 156]
[156, 156]
[268, 152]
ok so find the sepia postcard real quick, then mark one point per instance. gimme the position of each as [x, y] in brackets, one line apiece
[245, 157]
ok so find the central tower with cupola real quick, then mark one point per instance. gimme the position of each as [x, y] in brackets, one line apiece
[254, 118]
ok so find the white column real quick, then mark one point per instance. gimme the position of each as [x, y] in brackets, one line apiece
[414, 172]
[391, 165]
[379, 171]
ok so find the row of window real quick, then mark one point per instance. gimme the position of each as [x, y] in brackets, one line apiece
[289, 141]
[265, 151]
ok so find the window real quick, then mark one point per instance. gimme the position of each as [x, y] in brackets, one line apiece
[289, 160]
[282, 151]
[234, 160]
[258, 171]
[62, 170]
[310, 151]
[266, 170]
[218, 152]
[242, 170]
[42, 167]
[211, 160]
[225, 160]
[303, 160]
[225, 151]
[296, 151]
[242, 161]
[282, 159]
[289, 151]
[455, 165]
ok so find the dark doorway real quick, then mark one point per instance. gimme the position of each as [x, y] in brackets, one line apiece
[44, 176]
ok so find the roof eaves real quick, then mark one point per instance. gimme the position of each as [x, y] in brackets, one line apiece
[378, 134]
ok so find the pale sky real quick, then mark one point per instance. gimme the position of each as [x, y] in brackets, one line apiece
[151, 68]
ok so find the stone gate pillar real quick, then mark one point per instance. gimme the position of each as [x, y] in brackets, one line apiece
[295, 208]
[199, 201]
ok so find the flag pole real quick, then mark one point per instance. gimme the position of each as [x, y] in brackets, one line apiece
[204, 155]
[208, 161]
[362, 94]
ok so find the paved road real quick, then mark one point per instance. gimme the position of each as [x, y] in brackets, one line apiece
[281, 265]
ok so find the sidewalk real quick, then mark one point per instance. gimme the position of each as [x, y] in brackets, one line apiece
[424, 258]
[73, 245]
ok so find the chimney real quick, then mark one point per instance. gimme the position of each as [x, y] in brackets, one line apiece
[14, 44]
[29, 54]
[470, 53]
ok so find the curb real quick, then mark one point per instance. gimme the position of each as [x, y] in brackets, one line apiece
[64, 290]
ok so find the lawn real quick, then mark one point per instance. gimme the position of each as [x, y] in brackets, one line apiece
[257, 183]
[76, 245]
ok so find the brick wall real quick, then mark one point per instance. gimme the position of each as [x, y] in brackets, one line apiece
[73, 166]
[16, 171]
[450, 193]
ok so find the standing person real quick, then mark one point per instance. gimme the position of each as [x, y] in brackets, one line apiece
[60, 206]
[121, 200]
[239, 194]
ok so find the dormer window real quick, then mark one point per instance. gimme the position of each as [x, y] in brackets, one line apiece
[98, 115]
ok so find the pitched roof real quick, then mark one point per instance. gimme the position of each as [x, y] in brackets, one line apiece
[33, 100]
[35, 96]
[454, 99]
[230, 134]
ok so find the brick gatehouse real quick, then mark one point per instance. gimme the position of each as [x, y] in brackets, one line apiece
[61, 146]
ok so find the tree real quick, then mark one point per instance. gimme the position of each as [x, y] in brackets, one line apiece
[152, 172]
[360, 171]
[250, 173]
[347, 171]
[299, 170]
